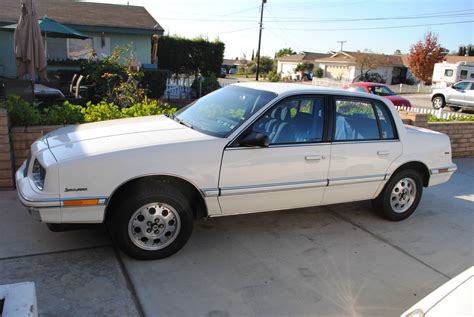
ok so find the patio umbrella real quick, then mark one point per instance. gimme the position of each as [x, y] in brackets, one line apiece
[52, 28]
[28, 44]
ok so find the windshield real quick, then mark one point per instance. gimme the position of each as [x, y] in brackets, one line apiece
[381, 91]
[224, 110]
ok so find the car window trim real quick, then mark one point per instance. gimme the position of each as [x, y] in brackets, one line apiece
[324, 97]
[391, 119]
[360, 99]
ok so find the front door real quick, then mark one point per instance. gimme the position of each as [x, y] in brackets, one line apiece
[457, 93]
[365, 143]
[291, 172]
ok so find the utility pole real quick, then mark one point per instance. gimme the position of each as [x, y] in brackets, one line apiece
[342, 44]
[260, 39]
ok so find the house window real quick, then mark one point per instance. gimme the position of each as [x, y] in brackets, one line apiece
[77, 49]
[448, 72]
[463, 74]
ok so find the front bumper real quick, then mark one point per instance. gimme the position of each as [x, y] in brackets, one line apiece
[441, 174]
[52, 209]
[41, 207]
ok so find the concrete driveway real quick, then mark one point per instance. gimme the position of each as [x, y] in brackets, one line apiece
[340, 260]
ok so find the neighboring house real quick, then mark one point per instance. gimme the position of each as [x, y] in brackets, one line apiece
[234, 63]
[346, 66]
[109, 26]
[287, 64]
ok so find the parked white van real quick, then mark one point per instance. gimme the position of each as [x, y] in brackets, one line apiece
[446, 74]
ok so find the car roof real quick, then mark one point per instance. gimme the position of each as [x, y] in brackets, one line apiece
[282, 88]
[293, 89]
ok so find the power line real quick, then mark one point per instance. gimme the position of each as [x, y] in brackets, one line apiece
[381, 27]
[302, 20]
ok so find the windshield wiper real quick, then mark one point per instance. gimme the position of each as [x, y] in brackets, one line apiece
[181, 121]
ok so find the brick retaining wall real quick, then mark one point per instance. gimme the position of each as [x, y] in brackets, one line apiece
[23, 137]
[461, 134]
[6, 167]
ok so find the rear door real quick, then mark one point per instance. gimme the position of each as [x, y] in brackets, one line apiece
[469, 96]
[364, 144]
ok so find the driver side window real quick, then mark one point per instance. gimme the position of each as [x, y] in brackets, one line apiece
[293, 121]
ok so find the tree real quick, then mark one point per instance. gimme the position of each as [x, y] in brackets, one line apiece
[303, 67]
[284, 51]
[424, 55]
[466, 50]
[366, 62]
[253, 55]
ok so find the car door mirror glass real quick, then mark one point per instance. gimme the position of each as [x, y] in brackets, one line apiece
[255, 139]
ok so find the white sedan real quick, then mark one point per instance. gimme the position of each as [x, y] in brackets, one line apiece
[245, 148]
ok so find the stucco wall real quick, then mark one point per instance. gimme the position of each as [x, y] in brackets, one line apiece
[141, 46]
[7, 57]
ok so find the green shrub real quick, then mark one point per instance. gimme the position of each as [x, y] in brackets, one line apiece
[21, 112]
[154, 82]
[149, 108]
[273, 76]
[319, 72]
[432, 118]
[101, 111]
[189, 56]
[65, 114]
[209, 84]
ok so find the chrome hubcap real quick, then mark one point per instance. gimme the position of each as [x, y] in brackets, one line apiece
[437, 103]
[403, 195]
[154, 226]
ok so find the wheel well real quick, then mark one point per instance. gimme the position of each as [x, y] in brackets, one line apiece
[417, 166]
[189, 190]
[438, 95]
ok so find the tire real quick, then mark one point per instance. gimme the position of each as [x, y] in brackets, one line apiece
[163, 217]
[397, 191]
[438, 102]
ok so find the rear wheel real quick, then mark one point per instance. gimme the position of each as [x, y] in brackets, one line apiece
[438, 102]
[400, 197]
[153, 224]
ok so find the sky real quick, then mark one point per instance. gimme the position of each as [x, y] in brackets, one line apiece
[381, 26]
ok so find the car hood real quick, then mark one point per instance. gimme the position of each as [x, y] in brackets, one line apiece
[116, 135]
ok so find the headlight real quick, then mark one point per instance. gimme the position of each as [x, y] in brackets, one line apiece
[38, 174]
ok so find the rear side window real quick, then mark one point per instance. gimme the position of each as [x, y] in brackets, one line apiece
[386, 122]
[355, 120]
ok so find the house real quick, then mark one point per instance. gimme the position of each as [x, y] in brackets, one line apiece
[286, 65]
[234, 63]
[346, 66]
[108, 25]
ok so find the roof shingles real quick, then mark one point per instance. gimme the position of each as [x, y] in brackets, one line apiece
[87, 14]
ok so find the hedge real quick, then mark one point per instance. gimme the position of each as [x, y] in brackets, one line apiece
[23, 113]
[181, 55]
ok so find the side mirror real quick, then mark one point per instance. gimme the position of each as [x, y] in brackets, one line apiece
[255, 139]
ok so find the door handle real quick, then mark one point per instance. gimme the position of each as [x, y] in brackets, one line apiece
[381, 153]
[313, 157]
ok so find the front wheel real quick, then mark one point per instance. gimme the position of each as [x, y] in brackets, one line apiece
[438, 102]
[400, 197]
[152, 225]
